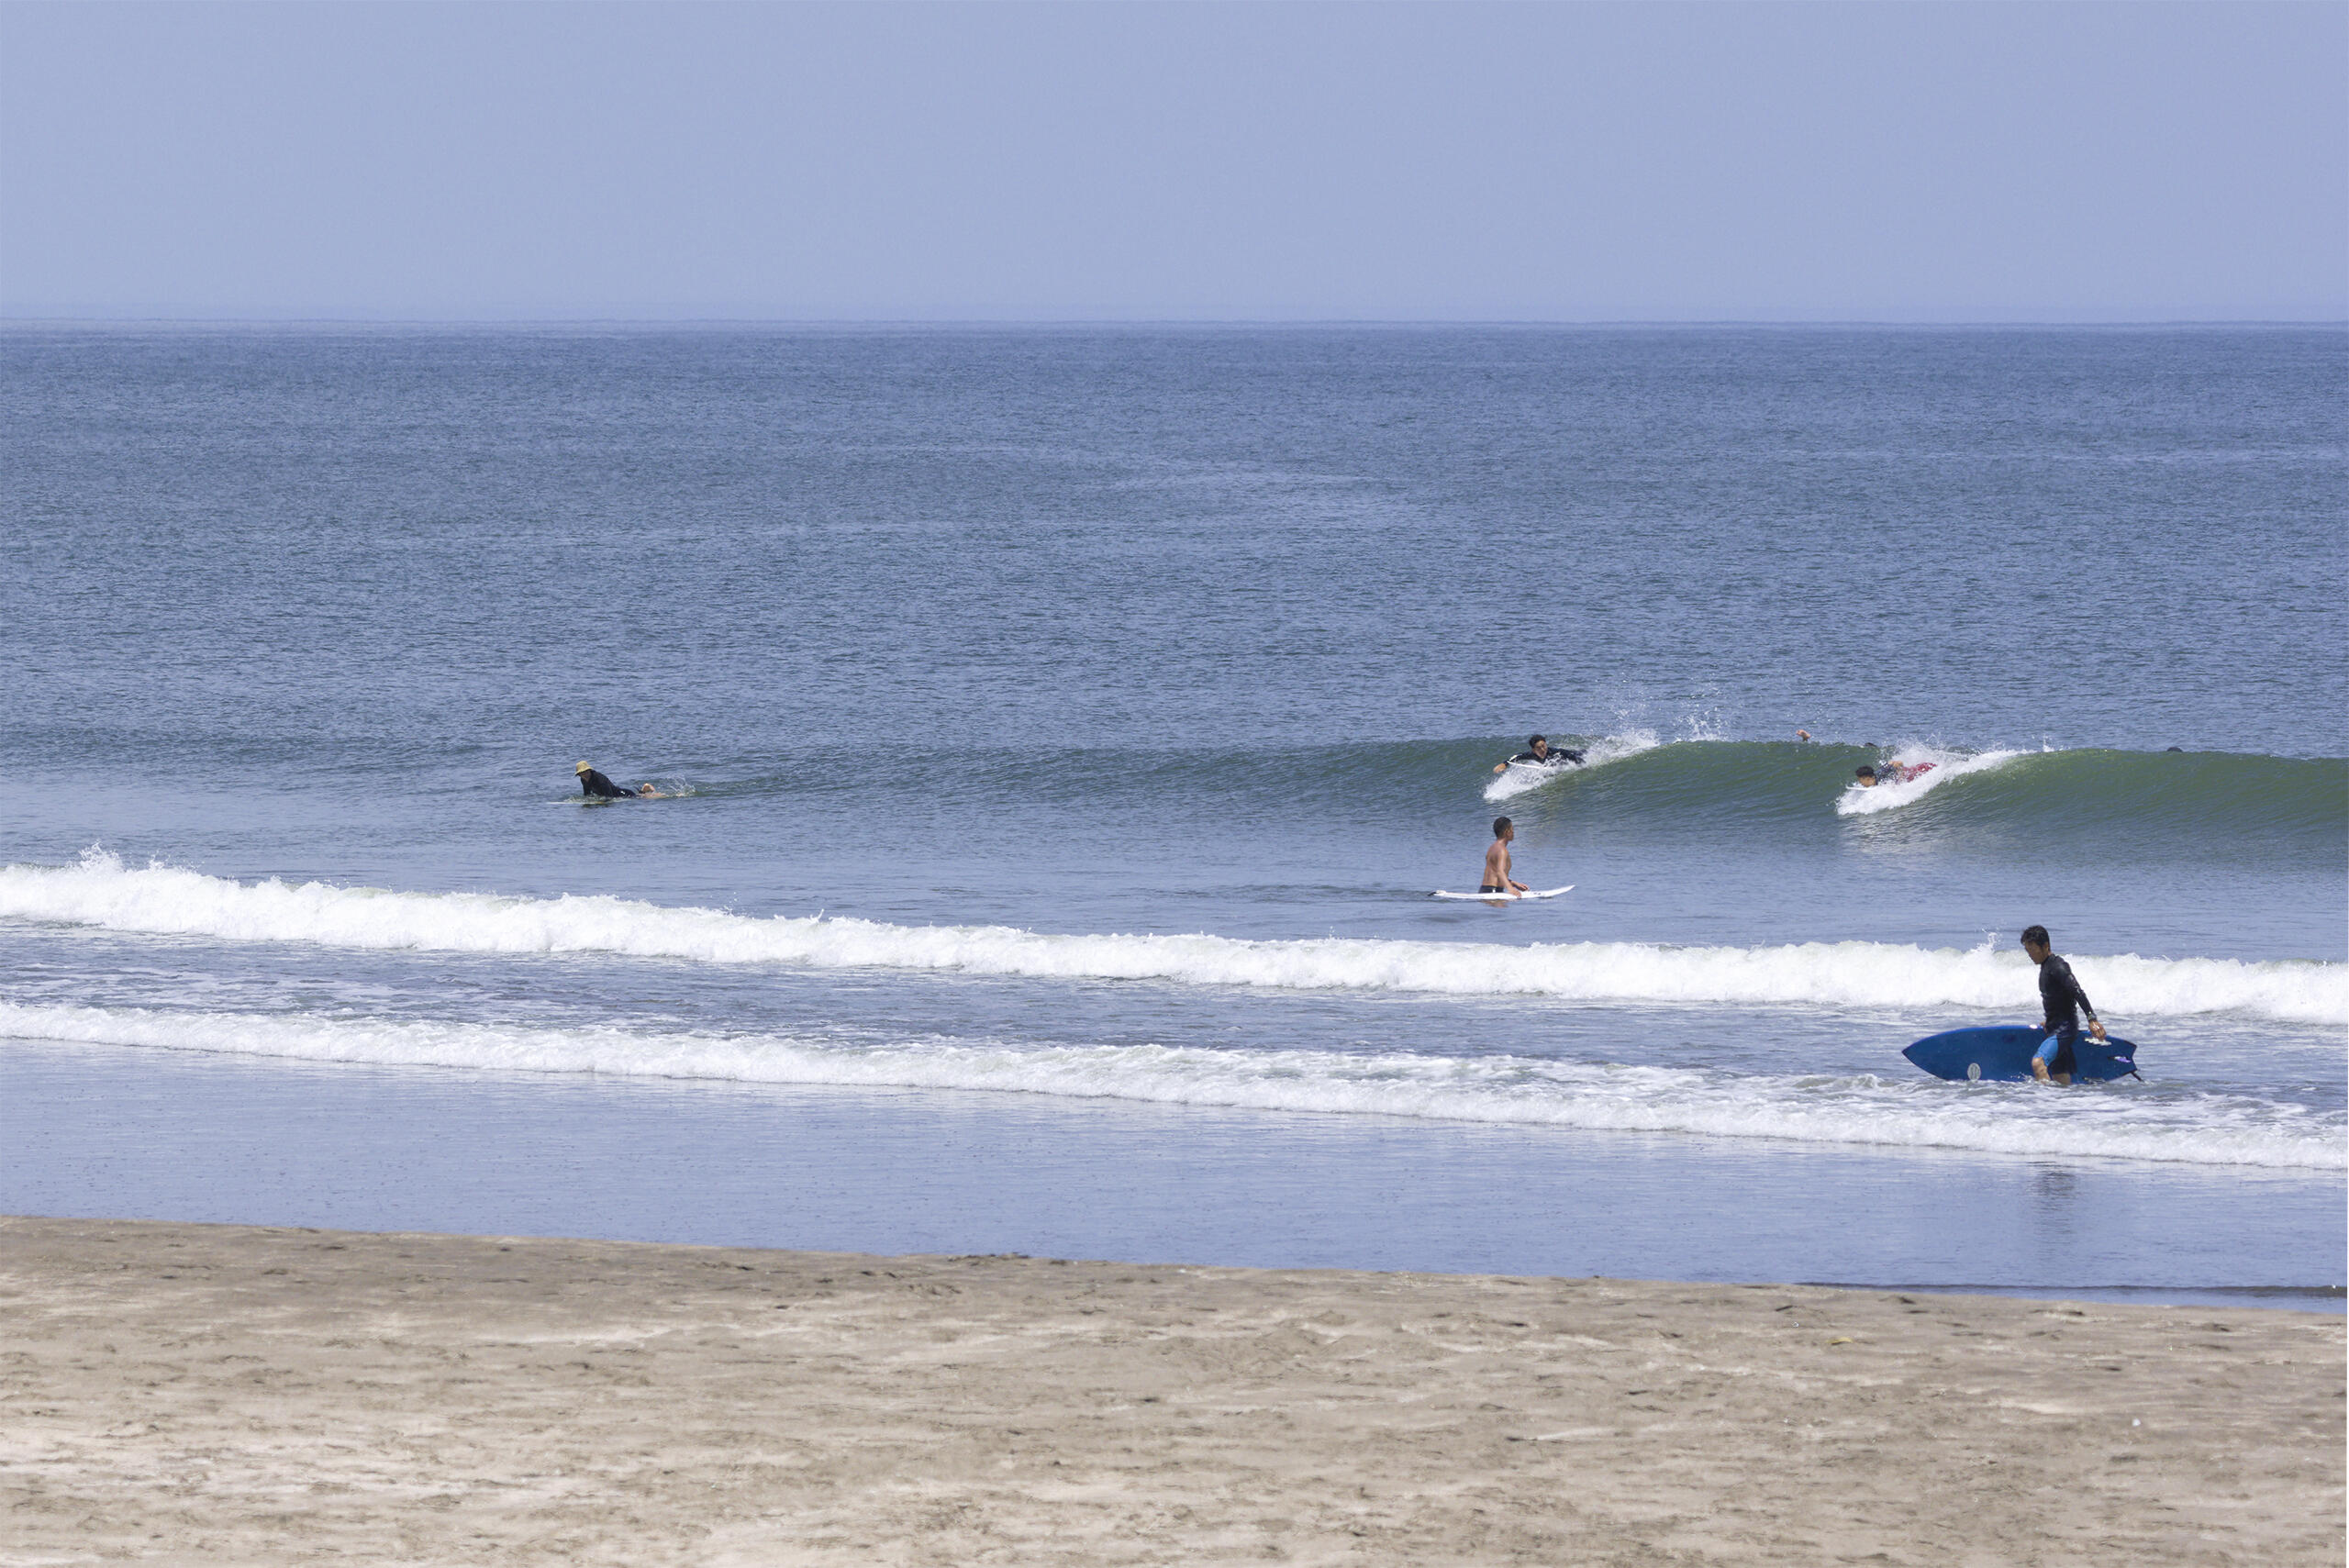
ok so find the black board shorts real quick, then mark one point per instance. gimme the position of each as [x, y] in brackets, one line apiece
[2066, 1060]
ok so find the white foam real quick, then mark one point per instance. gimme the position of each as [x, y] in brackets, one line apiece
[101, 892]
[1947, 765]
[2122, 1123]
[1520, 777]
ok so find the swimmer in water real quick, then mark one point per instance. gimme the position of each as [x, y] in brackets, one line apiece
[1892, 773]
[595, 787]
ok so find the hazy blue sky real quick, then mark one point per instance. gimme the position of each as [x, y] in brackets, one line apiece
[1567, 162]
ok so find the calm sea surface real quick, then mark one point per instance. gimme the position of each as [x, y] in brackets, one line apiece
[1064, 730]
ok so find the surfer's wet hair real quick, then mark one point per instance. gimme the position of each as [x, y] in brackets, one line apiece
[1501, 825]
[1864, 773]
[2036, 935]
[1539, 740]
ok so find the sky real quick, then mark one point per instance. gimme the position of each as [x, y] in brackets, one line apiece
[1532, 162]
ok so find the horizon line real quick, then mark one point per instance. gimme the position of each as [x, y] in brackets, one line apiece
[11, 318]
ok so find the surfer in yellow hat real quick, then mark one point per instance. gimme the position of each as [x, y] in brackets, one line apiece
[595, 787]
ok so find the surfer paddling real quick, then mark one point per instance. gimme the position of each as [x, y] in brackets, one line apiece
[1892, 773]
[595, 787]
[1540, 754]
[2060, 997]
[1497, 868]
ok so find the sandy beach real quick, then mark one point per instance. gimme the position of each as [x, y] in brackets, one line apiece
[203, 1394]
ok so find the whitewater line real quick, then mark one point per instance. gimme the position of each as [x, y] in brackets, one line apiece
[100, 892]
[1863, 1110]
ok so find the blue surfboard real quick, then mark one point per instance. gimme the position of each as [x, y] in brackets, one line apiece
[2003, 1055]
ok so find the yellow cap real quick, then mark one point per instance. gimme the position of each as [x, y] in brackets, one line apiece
[581, 767]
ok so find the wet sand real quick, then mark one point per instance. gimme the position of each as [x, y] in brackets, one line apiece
[193, 1394]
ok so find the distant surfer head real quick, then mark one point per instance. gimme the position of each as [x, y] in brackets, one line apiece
[1538, 745]
[1867, 776]
[581, 767]
[1504, 829]
[2036, 943]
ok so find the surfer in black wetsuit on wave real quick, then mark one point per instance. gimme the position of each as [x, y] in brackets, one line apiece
[2064, 1001]
[1540, 753]
[595, 787]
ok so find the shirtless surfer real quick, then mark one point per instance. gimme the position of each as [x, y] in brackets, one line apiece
[1496, 876]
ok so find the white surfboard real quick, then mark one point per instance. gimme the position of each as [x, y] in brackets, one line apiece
[1510, 897]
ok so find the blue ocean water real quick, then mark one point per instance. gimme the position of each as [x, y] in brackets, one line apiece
[1064, 729]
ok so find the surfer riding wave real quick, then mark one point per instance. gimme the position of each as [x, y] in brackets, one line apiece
[1540, 754]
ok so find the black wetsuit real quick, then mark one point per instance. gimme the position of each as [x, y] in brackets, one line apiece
[593, 782]
[2060, 997]
[1554, 755]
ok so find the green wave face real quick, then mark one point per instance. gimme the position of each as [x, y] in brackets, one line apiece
[2153, 804]
[2295, 803]
[2285, 799]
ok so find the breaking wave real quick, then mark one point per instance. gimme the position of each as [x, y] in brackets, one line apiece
[1522, 777]
[1861, 1109]
[101, 892]
[1941, 767]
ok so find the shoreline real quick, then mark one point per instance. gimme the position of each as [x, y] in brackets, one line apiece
[226, 1393]
[222, 1138]
[2330, 1300]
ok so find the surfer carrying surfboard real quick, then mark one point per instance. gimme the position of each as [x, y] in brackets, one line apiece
[2064, 1001]
[1496, 876]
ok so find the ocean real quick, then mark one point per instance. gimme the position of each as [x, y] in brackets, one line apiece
[1062, 731]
